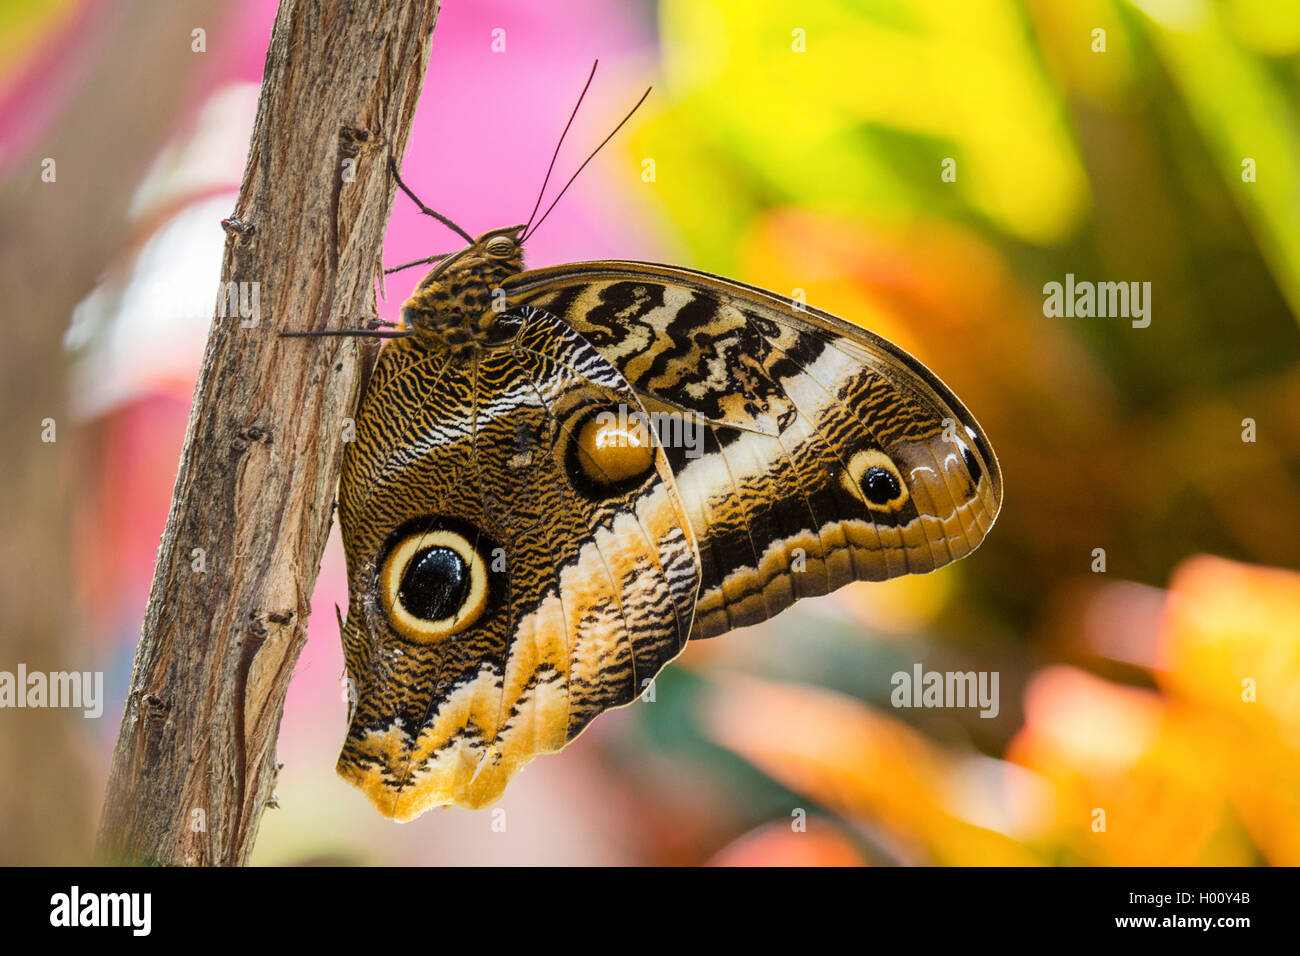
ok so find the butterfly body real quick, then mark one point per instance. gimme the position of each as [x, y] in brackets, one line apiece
[563, 474]
[451, 308]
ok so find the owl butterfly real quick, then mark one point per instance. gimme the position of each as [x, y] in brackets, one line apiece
[559, 476]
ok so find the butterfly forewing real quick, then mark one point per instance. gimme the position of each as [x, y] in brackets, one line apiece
[829, 455]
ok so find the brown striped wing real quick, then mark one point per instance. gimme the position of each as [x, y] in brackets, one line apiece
[809, 425]
[498, 602]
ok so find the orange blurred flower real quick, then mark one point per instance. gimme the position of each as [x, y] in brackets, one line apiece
[868, 767]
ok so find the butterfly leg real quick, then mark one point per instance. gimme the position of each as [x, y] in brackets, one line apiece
[417, 262]
[357, 333]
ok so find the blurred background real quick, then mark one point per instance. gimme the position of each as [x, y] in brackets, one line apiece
[1149, 691]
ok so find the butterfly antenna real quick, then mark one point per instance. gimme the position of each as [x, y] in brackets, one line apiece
[425, 209]
[585, 162]
[549, 169]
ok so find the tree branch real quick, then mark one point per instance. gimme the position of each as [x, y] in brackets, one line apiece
[194, 764]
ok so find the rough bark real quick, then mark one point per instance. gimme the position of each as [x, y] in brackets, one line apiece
[195, 765]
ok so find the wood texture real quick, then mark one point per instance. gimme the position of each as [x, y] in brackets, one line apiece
[262, 451]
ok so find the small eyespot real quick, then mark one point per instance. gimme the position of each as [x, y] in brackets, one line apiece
[873, 477]
[500, 246]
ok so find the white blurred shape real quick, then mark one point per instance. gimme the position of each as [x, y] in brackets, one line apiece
[1000, 796]
[145, 331]
[213, 158]
[149, 334]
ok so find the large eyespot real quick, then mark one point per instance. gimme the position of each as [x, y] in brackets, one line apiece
[873, 477]
[435, 579]
[500, 246]
[610, 450]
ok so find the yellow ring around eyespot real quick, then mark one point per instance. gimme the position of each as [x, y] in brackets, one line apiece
[613, 448]
[390, 582]
[860, 464]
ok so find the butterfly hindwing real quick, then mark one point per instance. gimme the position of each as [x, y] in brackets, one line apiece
[822, 453]
[509, 577]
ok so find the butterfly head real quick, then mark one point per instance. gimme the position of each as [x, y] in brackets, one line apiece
[456, 305]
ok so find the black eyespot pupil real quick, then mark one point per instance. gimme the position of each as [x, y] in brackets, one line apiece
[434, 584]
[879, 486]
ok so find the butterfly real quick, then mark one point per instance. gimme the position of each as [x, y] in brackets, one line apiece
[561, 475]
